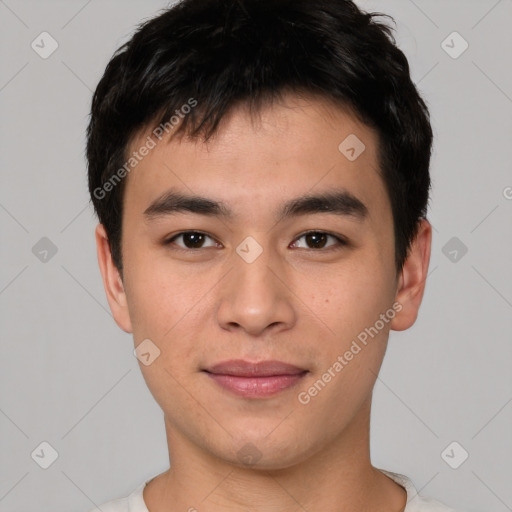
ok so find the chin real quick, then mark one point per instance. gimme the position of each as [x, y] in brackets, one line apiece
[260, 452]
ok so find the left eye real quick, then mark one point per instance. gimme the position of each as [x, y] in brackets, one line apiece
[318, 239]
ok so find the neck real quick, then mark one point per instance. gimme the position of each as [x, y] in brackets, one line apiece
[338, 476]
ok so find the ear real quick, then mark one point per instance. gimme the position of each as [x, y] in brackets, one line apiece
[112, 281]
[411, 283]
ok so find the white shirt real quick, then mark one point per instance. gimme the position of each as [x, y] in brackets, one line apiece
[415, 503]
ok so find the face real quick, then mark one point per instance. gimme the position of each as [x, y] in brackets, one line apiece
[241, 277]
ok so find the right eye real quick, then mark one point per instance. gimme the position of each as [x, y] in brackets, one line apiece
[191, 240]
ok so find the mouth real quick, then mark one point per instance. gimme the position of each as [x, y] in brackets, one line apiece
[255, 380]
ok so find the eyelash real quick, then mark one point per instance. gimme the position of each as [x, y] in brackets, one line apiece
[340, 241]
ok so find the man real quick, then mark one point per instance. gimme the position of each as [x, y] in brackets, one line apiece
[260, 170]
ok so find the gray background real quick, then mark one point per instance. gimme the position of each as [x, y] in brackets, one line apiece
[68, 375]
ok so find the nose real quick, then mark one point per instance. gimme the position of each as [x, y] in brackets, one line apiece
[256, 297]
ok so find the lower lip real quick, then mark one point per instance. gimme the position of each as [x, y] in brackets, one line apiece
[256, 387]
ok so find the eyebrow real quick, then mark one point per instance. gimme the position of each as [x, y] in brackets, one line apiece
[338, 202]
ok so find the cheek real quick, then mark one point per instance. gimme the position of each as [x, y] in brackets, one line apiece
[351, 297]
[168, 306]
[152, 306]
[352, 353]
[157, 294]
[363, 332]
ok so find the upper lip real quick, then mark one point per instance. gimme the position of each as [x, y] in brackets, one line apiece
[241, 368]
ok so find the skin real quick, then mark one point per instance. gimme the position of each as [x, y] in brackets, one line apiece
[295, 303]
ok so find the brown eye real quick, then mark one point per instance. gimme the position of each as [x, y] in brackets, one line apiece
[319, 240]
[316, 240]
[191, 240]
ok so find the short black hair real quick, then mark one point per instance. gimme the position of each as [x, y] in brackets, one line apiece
[217, 54]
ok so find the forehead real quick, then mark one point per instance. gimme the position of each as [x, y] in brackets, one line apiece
[301, 145]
